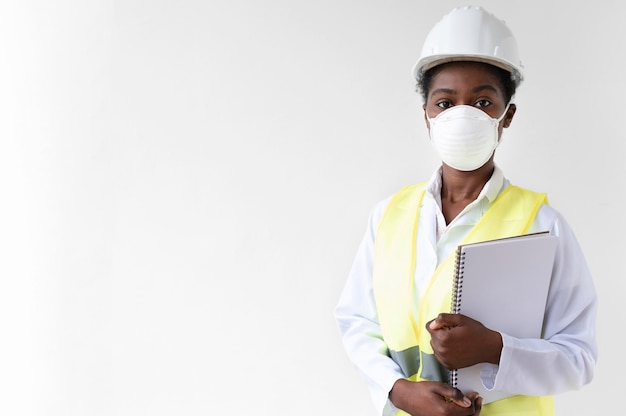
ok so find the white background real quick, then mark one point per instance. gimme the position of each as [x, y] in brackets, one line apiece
[183, 186]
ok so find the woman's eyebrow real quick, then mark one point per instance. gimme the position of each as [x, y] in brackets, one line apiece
[443, 91]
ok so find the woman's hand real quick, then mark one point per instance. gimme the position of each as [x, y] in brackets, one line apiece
[431, 398]
[459, 341]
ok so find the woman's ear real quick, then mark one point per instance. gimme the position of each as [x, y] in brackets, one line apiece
[426, 117]
[508, 118]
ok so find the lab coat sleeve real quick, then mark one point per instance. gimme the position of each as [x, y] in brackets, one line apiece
[358, 324]
[565, 358]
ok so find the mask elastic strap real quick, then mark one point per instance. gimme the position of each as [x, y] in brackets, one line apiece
[499, 120]
[504, 114]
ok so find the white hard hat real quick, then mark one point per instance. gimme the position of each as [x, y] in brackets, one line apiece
[470, 33]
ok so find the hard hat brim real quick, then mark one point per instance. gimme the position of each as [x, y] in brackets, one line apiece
[433, 61]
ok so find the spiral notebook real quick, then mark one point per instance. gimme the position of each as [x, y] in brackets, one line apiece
[504, 284]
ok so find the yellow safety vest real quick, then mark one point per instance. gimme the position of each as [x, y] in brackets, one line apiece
[403, 316]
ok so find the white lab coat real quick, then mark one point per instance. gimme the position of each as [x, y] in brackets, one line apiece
[564, 360]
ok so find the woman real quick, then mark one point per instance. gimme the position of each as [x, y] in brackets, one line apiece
[468, 74]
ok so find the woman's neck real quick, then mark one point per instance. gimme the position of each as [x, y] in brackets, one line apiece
[459, 188]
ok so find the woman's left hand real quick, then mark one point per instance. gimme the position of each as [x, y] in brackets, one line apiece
[459, 341]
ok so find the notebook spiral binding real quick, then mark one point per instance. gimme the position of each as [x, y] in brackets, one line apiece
[455, 306]
[457, 285]
[453, 378]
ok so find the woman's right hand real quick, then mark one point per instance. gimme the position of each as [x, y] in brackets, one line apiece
[431, 398]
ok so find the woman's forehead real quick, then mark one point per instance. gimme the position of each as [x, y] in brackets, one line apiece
[466, 73]
[465, 69]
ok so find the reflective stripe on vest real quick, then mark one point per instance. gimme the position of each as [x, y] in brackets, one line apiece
[403, 318]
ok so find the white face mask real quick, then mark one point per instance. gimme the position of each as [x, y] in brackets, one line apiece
[464, 136]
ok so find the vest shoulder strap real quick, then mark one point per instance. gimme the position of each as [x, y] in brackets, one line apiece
[512, 213]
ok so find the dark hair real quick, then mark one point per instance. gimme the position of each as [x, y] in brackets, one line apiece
[505, 78]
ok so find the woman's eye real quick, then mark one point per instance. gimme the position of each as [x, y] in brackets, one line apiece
[482, 103]
[444, 104]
